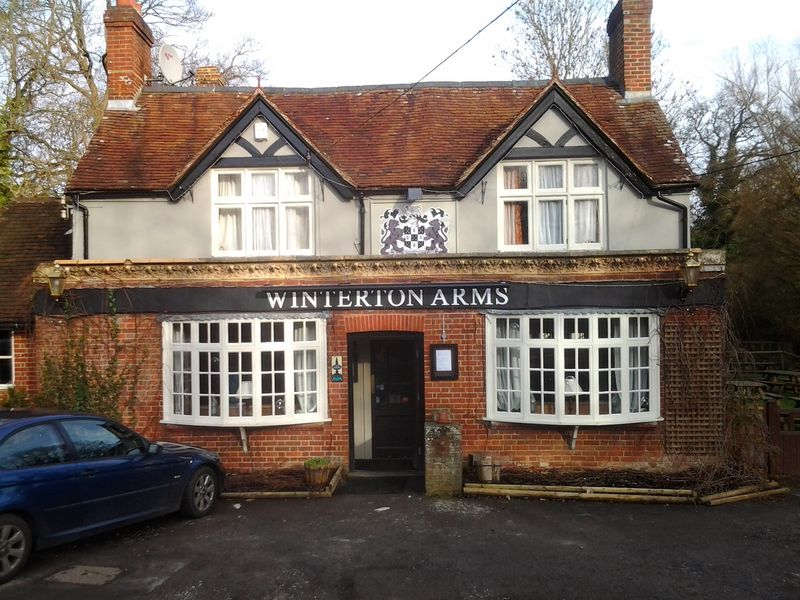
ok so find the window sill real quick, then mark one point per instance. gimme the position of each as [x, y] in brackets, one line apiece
[564, 423]
[246, 424]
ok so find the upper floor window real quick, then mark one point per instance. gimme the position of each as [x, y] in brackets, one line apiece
[550, 205]
[6, 358]
[262, 212]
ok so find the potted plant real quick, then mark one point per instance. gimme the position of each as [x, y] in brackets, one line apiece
[317, 472]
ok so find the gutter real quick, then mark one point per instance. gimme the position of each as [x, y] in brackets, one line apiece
[85, 227]
[362, 211]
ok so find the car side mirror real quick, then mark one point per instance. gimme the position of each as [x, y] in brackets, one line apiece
[153, 448]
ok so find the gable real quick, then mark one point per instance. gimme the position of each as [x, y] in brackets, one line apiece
[555, 111]
[238, 147]
[552, 136]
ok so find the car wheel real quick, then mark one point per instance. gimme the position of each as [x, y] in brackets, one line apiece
[16, 543]
[200, 495]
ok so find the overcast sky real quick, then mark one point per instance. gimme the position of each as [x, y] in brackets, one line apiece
[321, 43]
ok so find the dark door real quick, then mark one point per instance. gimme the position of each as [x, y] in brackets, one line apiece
[395, 398]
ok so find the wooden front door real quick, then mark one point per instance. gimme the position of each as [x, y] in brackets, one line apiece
[387, 398]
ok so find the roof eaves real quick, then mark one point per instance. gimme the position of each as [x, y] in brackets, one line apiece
[210, 152]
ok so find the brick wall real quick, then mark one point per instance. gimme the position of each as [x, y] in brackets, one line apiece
[526, 445]
[629, 45]
[129, 42]
[24, 362]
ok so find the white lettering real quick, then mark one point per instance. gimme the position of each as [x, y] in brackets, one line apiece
[327, 299]
[378, 299]
[361, 299]
[458, 297]
[439, 298]
[502, 296]
[309, 299]
[481, 299]
[294, 299]
[344, 299]
[415, 295]
[391, 300]
[276, 300]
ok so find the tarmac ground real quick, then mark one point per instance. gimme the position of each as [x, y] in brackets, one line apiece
[395, 543]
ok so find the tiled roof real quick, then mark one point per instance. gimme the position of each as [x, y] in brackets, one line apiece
[32, 232]
[373, 137]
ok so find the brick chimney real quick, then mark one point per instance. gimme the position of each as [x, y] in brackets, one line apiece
[209, 77]
[629, 47]
[129, 42]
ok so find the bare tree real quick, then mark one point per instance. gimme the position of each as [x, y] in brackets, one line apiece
[559, 38]
[747, 142]
[52, 84]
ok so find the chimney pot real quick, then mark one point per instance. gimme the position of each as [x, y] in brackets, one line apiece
[209, 76]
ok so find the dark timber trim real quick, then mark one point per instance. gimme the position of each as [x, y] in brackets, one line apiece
[570, 152]
[260, 161]
[260, 108]
[556, 98]
[252, 150]
[565, 137]
[538, 138]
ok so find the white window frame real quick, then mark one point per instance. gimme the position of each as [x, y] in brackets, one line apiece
[281, 202]
[558, 342]
[9, 357]
[534, 194]
[288, 346]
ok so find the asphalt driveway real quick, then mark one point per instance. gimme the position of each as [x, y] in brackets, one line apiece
[403, 545]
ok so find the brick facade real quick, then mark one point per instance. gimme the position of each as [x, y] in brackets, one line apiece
[642, 446]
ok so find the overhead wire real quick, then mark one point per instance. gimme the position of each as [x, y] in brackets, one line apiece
[750, 162]
[410, 88]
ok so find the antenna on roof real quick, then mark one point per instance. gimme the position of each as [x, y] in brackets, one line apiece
[170, 63]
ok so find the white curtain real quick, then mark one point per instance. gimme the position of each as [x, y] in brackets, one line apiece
[297, 227]
[509, 387]
[230, 229]
[551, 177]
[229, 185]
[586, 222]
[264, 228]
[297, 184]
[263, 185]
[551, 222]
[587, 176]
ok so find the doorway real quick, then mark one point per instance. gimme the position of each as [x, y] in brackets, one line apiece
[386, 399]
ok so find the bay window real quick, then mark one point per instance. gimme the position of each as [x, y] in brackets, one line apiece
[262, 212]
[244, 371]
[550, 205]
[572, 369]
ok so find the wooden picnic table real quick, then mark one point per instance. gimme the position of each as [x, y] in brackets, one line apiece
[783, 382]
[754, 390]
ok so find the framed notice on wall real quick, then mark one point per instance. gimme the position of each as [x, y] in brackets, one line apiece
[444, 361]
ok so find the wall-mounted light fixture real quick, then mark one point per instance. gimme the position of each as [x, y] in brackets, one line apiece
[56, 278]
[691, 271]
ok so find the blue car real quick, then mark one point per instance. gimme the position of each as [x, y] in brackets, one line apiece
[66, 476]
